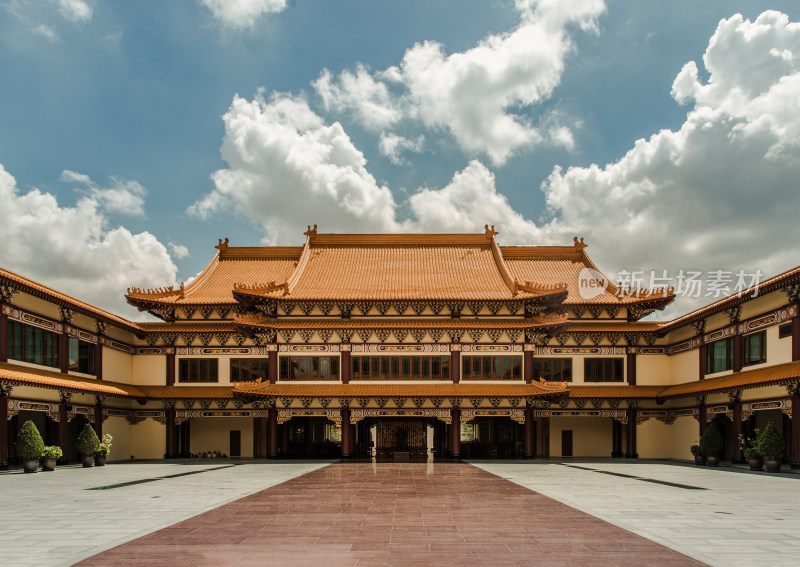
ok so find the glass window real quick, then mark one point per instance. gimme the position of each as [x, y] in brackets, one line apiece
[785, 331]
[81, 356]
[32, 344]
[198, 370]
[311, 367]
[755, 348]
[553, 369]
[250, 369]
[603, 369]
[719, 355]
[501, 367]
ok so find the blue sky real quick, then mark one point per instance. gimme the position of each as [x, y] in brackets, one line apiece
[113, 117]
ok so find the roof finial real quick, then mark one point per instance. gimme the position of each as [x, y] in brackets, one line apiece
[580, 245]
[490, 231]
[222, 246]
[311, 232]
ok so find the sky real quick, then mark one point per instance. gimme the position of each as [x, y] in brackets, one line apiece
[133, 135]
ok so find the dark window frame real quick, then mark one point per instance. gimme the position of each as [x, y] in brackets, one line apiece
[22, 339]
[553, 369]
[400, 367]
[747, 350]
[248, 369]
[84, 359]
[492, 367]
[711, 348]
[785, 331]
[604, 369]
[295, 368]
[198, 370]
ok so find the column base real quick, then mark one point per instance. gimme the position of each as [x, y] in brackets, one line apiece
[3, 466]
[617, 454]
[273, 456]
[530, 456]
[795, 464]
[170, 456]
[455, 456]
[739, 461]
[62, 461]
[631, 455]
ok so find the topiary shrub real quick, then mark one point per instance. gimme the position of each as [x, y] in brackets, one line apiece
[711, 442]
[770, 443]
[30, 444]
[52, 453]
[88, 442]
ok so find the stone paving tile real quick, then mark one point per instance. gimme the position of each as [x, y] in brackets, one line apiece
[361, 514]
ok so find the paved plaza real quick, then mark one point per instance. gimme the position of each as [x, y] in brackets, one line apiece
[303, 513]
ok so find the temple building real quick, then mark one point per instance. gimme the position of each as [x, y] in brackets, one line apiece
[399, 347]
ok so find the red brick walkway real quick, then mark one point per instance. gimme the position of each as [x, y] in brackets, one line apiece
[360, 514]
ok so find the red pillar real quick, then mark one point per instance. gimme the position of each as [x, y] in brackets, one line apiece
[796, 338]
[455, 433]
[98, 419]
[4, 391]
[794, 458]
[63, 433]
[701, 408]
[347, 366]
[3, 337]
[631, 448]
[170, 433]
[455, 366]
[98, 359]
[171, 367]
[737, 353]
[527, 365]
[616, 439]
[530, 434]
[738, 450]
[272, 367]
[347, 434]
[63, 351]
[272, 433]
[703, 362]
[630, 368]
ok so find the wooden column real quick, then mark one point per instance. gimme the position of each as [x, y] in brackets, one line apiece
[738, 354]
[63, 351]
[98, 359]
[630, 368]
[170, 366]
[616, 439]
[796, 338]
[63, 426]
[171, 448]
[347, 434]
[530, 434]
[455, 433]
[3, 336]
[284, 434]
[272, 433]
[787, 437]
[347, 365]
[185, 432]
[738, 429]
[527, 365]
[794, 457]
[4, 392]
[631, 446]
[455, 365]
[272, 367]
[703, 362]
[98, 418]
[701, 408]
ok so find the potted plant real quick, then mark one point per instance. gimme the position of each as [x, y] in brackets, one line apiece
[699, 456]
[102, 451]
[29, 446]
[87, 444]
[771, 445]
[712, 444]
[50, 455]
[755, 460]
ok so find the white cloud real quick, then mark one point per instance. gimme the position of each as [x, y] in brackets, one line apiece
[74, 250]
[179, 251]
[392, 146]
[242, 14]
[287, 169]
[75, 10]
[122, 196]
[47, 31]
[473, 94]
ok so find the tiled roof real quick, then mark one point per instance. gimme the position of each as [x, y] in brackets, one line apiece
[778, 374]
[620, 326]
[447, 389]
[615, 391]
[25, 376]
[181, 392]
[255, 321]
[21, 283]
[188, 327]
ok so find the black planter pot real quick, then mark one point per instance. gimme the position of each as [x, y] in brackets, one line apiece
[49, 465]
[773, 465]
[756, 464]
[700, 460]
[88, 461]
[30, 465]
[713, 461]
[100, 460]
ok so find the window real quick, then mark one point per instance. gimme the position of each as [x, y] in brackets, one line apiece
[401, 368]
[553, 369]
[81, 356]
[500, 367]
[249, 369]
[603, 369]
[309, 368]
[198, 370]
[785, 331]
[32, 344]
[755, 348]
[719, 356]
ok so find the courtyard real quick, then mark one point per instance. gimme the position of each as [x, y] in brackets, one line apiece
[366, 513]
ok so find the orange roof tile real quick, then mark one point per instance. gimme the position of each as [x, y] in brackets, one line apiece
[25, 376]
[621, 326]
[615, 391]
[447, 389]
[26, 285]
[186, 392]
[779, 374]
[256, 321]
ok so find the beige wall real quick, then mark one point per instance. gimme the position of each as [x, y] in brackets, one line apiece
[213, 434]
[150, 370]
[117, 365]
[685, 432]
[148, 440]
[591, 436]
[653, 439]
[122, 443]
[685, 367]
[652, 369]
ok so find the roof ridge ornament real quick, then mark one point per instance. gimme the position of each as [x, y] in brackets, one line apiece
[490, 232]
[311, 232]
[580, 245]
[222, 246]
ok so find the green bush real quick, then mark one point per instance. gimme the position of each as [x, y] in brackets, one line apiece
[711, 442]
[770, 443]
[104, 448]
[750, 446]
[29, 441]
[52, 453]
[696, 450]
[88, 441]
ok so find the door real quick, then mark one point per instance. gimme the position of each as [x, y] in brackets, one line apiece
[236, 443]
[566, 443]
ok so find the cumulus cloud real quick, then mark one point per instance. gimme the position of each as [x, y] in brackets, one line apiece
[179, 251]
[242, 14]
[121, 196]
[288, 168]
[392, 146]
[473, 94]
[75, 250]
[75, 10]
